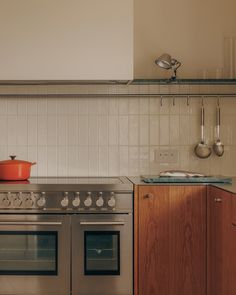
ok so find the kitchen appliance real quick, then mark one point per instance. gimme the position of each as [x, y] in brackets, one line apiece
[62, 236]
[15, 169]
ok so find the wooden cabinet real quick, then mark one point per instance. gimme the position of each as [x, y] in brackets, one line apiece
[233, 260]
[233, 213]
[220, 233]
[170, 238]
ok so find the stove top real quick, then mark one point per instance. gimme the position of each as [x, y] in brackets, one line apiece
[78, 180]
[68, 184]
[67, 194]
[70, 180]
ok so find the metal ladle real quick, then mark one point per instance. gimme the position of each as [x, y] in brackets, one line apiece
[218, 146]
[202, 150]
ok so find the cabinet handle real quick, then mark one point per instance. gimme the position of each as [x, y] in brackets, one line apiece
[148, 196]
[218, 200]
[29, 223]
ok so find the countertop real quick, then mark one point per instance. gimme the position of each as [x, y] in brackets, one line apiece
[227, 187]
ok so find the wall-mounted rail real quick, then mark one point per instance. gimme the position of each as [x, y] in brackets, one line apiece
[114, 95]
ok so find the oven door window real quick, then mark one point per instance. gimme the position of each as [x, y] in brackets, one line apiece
[102, 253]
[28, 253]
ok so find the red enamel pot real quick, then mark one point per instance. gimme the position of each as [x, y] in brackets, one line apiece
[15, 169]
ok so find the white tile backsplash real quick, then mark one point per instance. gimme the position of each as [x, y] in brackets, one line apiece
[154, 123]
[22, 131]
[164, 130]
[32, 130]
[3, 130]
[83, 126]
[103, 130]
[93, 130]
[123, 130]
[103, 158]
[134, 130]
[113, 160]
[113, 130]
[114, 136]
[144, 130]
[12, 130]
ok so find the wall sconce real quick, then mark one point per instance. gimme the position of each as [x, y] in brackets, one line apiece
[165, 61]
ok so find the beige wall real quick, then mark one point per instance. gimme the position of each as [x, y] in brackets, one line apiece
[193, 31]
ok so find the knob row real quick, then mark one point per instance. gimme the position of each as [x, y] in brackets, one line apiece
[88, 202]
[28, 202]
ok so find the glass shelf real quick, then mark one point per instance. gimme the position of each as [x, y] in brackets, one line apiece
[184, 82]
[120, 82]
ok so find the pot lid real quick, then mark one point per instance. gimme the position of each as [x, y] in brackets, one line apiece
[13, 161]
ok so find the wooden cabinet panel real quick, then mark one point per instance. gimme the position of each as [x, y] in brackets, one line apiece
[172, 240]
[233, 213]
[233, 261]
[219, 240]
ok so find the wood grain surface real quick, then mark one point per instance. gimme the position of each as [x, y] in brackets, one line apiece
[172, 240]
[219, 242]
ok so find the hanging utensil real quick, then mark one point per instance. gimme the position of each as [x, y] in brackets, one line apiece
[202, 150]
[218, 146]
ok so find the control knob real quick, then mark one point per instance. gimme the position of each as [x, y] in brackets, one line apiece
[65, 200]
[76, 201]
[100, 200]
[88, 200]
[6, 200]
[17, 200]
[29, 200]
[112, 201]
[41, 201]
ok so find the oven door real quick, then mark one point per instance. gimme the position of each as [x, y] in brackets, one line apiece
[102, 262]
[34, 255]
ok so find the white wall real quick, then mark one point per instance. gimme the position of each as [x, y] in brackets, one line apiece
[72, 137]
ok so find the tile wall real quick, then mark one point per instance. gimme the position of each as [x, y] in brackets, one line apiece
[113, 136]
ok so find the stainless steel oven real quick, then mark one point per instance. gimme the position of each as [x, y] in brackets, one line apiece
[34, 252]
[102, 254]
[66, 236]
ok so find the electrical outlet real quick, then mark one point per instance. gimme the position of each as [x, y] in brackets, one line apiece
[166, 156]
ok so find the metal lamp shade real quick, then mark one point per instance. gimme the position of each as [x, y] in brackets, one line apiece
[164, 61]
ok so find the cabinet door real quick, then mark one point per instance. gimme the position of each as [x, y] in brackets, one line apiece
[233, 209]
[233, 261]
[219, 240]
[172, 240]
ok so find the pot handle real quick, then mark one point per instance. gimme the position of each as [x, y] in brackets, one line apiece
[12, 157]
[33, 163]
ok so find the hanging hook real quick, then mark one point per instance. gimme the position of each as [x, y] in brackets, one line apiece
[161, 100]
[188, 99]
[202, 101]
[218, 101]
[173, 101]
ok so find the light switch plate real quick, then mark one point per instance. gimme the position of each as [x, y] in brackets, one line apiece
[166, 156]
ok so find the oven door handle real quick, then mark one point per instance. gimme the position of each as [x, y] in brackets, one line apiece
[102, 223]
[53, 223]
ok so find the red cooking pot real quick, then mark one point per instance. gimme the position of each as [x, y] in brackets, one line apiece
[15, 169]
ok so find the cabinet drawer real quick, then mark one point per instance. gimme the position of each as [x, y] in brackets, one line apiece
[234, 209]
